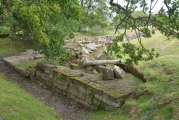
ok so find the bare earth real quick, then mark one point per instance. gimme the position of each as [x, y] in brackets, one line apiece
[68, 109]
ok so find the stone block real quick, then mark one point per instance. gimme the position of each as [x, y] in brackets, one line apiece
[38, 56]
[108, 73]
[84, 51]
[82, 89]
[74, 66]
[75, 93]
[43, 76]
[91, 46]
[43, 67]
[82, 96]
[98, 97]
[30, 51]
[38, 73]
[91, 70]
[32, 71]
[101, 56]
[74, 87]
[118, 72]
[99, 68]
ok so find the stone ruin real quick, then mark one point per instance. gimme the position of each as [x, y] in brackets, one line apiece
[91, 77]
[92, 56]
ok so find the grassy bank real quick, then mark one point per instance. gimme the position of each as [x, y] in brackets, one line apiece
[17, 104]
[162, 100]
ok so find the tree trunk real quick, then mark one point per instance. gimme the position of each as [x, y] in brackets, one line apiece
[79, 28]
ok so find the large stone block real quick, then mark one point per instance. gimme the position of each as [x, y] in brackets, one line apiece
[99, 68]
[84, 51]
[32, 71]
[118, 72]
[108, 73]
[101, 56]
[43, 67]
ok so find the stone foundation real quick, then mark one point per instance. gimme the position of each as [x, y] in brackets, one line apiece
[89, 90]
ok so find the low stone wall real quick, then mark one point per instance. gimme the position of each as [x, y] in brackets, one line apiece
[89, 89]
[105, 38]
[74, 86]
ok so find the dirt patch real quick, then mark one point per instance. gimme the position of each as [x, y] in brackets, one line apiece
[68, 109]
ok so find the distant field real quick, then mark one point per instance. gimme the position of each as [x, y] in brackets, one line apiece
[94, 33]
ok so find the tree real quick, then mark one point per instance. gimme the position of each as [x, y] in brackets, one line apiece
[166, 20]
[95, 13]
[44, 23]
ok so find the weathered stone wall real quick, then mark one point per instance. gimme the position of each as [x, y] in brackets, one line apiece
[75, 87]
[106, 38]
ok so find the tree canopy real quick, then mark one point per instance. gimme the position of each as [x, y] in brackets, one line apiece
[95, 13]
[43, 22]
[166, 20]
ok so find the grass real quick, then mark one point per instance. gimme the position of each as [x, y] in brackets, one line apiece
[92, 34]
[17, 104]
[162, 74]
[33, 63]
[8, 46]
[106, 115]
[163, 79]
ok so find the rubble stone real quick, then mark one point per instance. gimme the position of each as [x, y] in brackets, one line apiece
[118, 72]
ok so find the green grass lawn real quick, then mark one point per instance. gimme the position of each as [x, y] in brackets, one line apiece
[17, 104]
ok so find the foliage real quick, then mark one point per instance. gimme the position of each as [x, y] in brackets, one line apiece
[165, 20]
[44, 23]
[95, 13]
